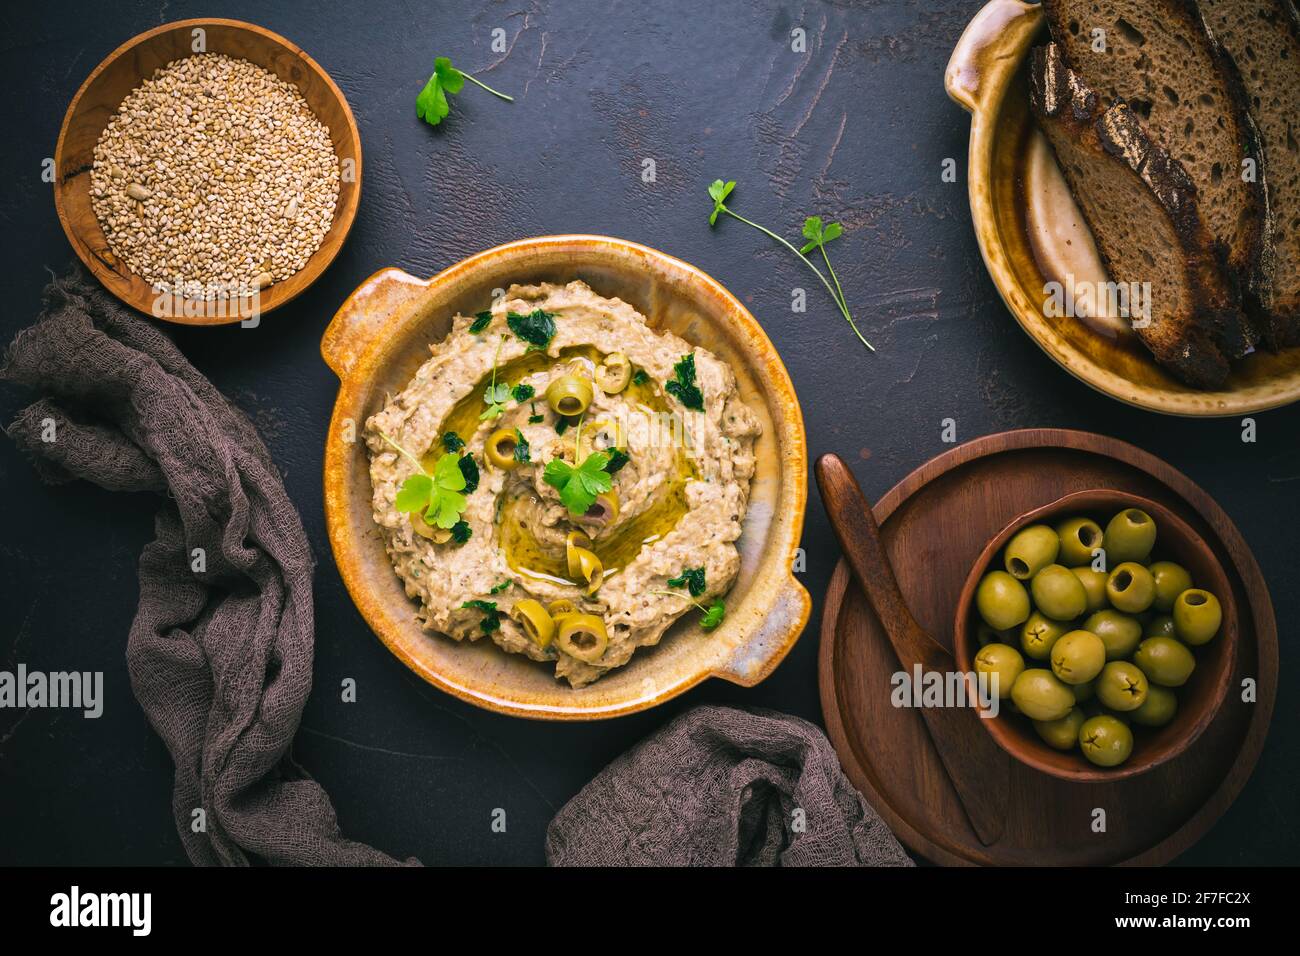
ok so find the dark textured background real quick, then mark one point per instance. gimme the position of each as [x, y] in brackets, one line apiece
[854, 129]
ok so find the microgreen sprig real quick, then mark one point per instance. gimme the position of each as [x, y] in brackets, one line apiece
[713, 614]
[719, 191]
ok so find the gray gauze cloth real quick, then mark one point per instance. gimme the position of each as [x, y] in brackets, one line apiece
[220, 659]
[724, 787]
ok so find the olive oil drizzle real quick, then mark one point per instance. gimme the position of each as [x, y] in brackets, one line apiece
[523, 552]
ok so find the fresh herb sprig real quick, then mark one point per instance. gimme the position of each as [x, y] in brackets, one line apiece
[438, 496]
[579, 484]
[719, 191]
[431, 104]
[495, 396]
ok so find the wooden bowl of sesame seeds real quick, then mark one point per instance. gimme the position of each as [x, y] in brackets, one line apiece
[228, 205]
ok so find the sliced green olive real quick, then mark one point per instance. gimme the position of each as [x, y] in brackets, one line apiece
[602, 513]
[604, 435]
[583, 636]
[430, 531]
[560, 607]
[535, 620]
[575, 541]
[614, 373]
[500, 449]
[569, 395]
[590, 569]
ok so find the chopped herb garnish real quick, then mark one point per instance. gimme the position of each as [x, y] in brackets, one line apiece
[617, 459]
[452, 442]
[481, 320]
[498, 588]
[639, 377]
[522, 392]
[469, 469]
[692, 579]
[562, 425]
[534, 419]
[436, 497]
[461, 531]
[713, 616]
[491, 617]
[522, 451]
[537, 328]
[682, 385]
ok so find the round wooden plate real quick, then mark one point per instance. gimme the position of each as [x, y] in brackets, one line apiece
[934, 524]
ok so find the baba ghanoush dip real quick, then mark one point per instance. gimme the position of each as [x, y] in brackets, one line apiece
[564, 480]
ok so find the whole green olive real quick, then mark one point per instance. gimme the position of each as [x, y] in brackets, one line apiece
[1197, 616]
[1094, 586]
[1038, 635]
[1078, 657]
[1058, 593]
[1105, 740]
[1122, 686]
[1131, 588]
[1165, 661]
[1085, 691]
[1079, 538]
[1041, 695]
[1119, 632]
[1003, 664]
[1062, 733]
[1130, 536]
[1171, 580]
[1030, 550]
[1162, 625]
[1001, 600]
[1158, 709]
[569, 395]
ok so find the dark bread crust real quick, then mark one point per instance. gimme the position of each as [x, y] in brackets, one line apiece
[1072, 114]
[1274, 300]
[1247, 268]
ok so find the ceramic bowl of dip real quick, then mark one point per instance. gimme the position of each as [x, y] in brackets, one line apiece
[380, 337]
[1038, 248]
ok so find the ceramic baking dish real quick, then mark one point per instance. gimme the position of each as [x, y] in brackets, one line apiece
[381, 335]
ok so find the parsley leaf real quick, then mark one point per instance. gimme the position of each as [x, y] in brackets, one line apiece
[491, 616]
[692, 579]
[481, 320]
[495, 398]
[431, 105]
[578, 487]
[639, 377]
[452, 442]
[537, 328]
[522, 392]
[617, 459]
[469, 470]
[713, 616]
[522, 451]
[438, 496]
[461, 531]
[682, 386]
[718, 192]
[498, 588]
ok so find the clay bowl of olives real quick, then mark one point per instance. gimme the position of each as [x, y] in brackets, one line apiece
[1108, 631]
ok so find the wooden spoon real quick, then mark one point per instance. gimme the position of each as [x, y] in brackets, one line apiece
[977, 767]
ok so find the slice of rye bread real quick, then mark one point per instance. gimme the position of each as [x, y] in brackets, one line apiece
[1263, 38]
[1160, 60]
[1142, 209]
